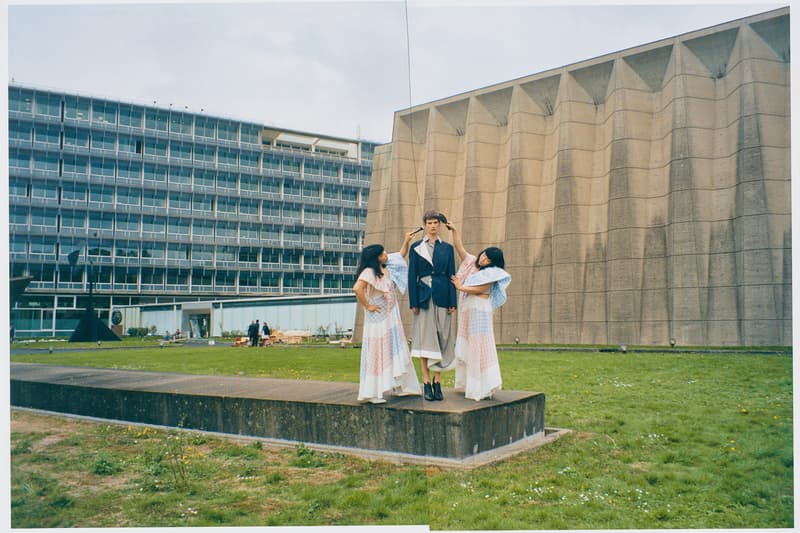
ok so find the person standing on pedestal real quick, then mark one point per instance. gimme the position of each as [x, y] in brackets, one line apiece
[432, 299]
[385, 361]
[482, 283]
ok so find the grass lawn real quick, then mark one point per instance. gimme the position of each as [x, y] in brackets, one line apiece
[661, 440]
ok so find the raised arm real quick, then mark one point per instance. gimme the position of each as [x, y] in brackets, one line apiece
[459, 245]
[406, 242]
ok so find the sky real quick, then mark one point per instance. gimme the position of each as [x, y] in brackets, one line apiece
[335, 68]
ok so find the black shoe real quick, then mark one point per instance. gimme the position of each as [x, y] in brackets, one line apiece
[437, 391]
[428, 395]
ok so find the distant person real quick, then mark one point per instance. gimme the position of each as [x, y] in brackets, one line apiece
[385, 362]
[265, 333]
[432, 299]
[252, 333]
[481, 282]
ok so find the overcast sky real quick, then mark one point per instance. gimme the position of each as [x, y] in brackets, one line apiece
[338, 68]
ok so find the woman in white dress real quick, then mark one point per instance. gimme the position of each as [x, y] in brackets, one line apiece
[481, 282]
[385, 361]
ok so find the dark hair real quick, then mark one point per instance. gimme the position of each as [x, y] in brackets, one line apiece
[432, 214]
[369, 259]
[495, 255]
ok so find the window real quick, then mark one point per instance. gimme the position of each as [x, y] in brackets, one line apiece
[271, 186]
[311, 282]
[128, 222]
[152, 224]
[180, 200]
[270, 280]
[178, 226]
[311, 237]
[182, 175]
[51, 134]
[130, 170]
[101, 194]
[330, 216]
[330, 170]
[76, 164]
[18, 215]
[248, 206]
[204, 153]
[350, 238]
[77, 137]
[291, 236]
[152, 276]
[130, 144]
[73, 191]
[101, 220]
[271, 210]
[332, 193]
[180, 150]
[44, 190]
[226, 253]
[19, 131]
[248, 159]
[43, 218]
[43, 245]
[292, 188]
[203, 228]
[313, 214]
[155, 119]
[130, 116]
[104, 140]
[202, 277]
[204, 178]
[18, 245]
[126, 196]
[73, 219]
[156, 147]
[126, 275]
[179, 251]
[311, 191]
[251, 134]
[45, 162]
[18, 188]
[291, 213]
[180, 123]
[271, 256]
[203, 203]
[248, 231]
[99, 247]
[349, 173]
[311, 168]
[177, 276]
[225, 279]
[291, 165]
[102, 167]
[228, 131]
[155, 173]
[76, 108]
[202, 253]
[248, 279]
[248, 255]
[271, 163]
[226, 229]
[154, 198]
[21, 159]
[249, 183]
[226, 180]
[20, 100]
[226, 156]
[226, 205]
[204, 127]
[48, 104]
[350, 195]
[104, 112]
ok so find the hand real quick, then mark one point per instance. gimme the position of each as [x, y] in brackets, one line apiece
[451, 310]
[456, 283]
[415, 310]
[450, 227]
[372, 308]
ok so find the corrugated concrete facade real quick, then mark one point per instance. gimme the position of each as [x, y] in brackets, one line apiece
[639, 197]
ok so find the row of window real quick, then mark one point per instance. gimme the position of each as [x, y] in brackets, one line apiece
[135, 222]
[60, 192]
[82, 109]
[187, 276]
[84, 165]
[48, 245]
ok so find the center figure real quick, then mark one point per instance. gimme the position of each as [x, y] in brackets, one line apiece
[432, 298]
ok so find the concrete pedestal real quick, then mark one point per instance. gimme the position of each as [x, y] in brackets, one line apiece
[312, 412]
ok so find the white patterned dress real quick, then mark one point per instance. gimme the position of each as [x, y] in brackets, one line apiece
[477, 367]
[385, 361]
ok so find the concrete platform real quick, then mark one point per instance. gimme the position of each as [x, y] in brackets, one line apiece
[455, 431]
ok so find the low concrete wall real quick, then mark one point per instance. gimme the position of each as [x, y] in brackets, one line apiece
[302, 411]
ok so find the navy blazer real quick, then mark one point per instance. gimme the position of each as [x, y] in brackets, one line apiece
[442, 289]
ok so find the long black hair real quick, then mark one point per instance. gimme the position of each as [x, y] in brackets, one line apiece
[369, 259]
[495, 255]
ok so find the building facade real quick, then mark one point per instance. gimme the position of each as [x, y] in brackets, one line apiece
[162, 206]
[641, 197]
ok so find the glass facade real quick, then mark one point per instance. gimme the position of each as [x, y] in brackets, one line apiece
[169, 206]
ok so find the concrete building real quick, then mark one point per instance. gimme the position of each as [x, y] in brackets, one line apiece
[171, 206]
[640, 197]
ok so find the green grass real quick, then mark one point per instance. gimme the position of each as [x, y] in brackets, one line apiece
[661, 440]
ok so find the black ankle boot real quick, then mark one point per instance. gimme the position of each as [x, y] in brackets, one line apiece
[437, 391]
[428, 394]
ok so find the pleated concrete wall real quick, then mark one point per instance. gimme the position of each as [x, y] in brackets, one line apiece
[639, 197]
